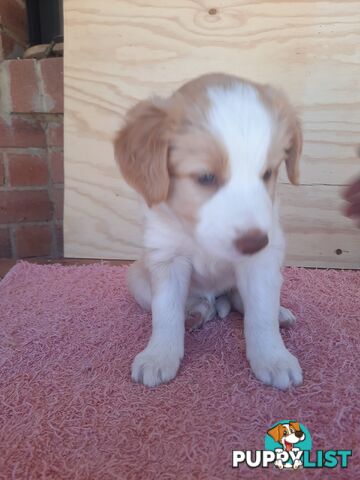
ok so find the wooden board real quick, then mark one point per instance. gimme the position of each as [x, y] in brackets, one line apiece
[317, 234]
[118, 52]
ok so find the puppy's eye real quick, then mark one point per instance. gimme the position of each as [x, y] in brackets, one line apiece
[267, 175]
[207, 179]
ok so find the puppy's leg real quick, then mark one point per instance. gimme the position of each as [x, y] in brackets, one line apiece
[160, 360]
[286, 317]
[138, 282]
[259, 282]
[236, 302]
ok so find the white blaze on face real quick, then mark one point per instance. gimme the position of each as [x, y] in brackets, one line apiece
[240, 121]
[290, 438]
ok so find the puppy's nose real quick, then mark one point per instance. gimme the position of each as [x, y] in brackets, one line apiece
[299, 433]
[251, 242]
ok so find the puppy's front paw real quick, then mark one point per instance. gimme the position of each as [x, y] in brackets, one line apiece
[199, 311]
[280, 369]
[286, 317]
[154, 366]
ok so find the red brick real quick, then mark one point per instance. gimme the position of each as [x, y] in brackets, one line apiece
[52, 73]
[5, 245]
[55, 134]
[13, 17]
[27, 170]
[57, 166]
[33, 241]
[19, 132]
[2, 171]
[22, 206]
[9, 47]
[24, 92]
[58, 198]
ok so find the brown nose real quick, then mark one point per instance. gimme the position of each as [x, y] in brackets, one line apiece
[253, 241]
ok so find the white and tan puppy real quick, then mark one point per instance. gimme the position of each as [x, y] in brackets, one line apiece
[206, 161]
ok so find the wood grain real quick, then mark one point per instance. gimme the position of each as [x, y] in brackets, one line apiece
[317, 234]
[118, 52]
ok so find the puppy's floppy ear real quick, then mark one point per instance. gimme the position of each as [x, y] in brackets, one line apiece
[276, 432]
[285, 114]
[295, 426]
[293, 153]
[141, 150]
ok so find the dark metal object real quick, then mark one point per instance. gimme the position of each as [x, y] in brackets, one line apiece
[45, 21]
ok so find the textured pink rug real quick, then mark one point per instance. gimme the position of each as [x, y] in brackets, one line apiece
[68, 409]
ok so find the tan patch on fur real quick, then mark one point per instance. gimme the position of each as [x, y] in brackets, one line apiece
[295, 426]
[286, 144]
[277, 432]
[194, 153]
[196, 88]
[141, 150]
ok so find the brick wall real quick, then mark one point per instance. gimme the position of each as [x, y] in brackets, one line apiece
[13, 28]
[31, 158]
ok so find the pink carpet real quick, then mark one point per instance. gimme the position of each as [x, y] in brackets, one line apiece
[68, 409]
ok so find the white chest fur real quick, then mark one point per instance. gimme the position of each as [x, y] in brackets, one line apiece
[211, 276]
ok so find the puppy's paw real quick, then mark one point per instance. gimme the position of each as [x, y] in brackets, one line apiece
[280, 369]
[194, 322]
[199, 312]
[286, 317]
[223, 306]
[154, 366]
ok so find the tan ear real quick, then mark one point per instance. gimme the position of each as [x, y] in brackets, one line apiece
[276, 432]
[287, 117]
[141, 151]
[293, 153]
[295, 425]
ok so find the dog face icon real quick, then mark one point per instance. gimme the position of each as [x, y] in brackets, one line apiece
[288, 435]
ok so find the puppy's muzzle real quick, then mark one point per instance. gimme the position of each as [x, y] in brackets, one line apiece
[251, 242]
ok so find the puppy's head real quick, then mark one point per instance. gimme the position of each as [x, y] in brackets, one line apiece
[287, 434]
[212, 152]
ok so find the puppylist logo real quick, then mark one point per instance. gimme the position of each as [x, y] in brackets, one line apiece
[288, 445]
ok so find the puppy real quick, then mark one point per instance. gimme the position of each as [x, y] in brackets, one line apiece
[288, 434]
[206, 161]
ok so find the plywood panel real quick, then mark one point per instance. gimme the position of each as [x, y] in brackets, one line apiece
[317, 233]
[118, 52]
